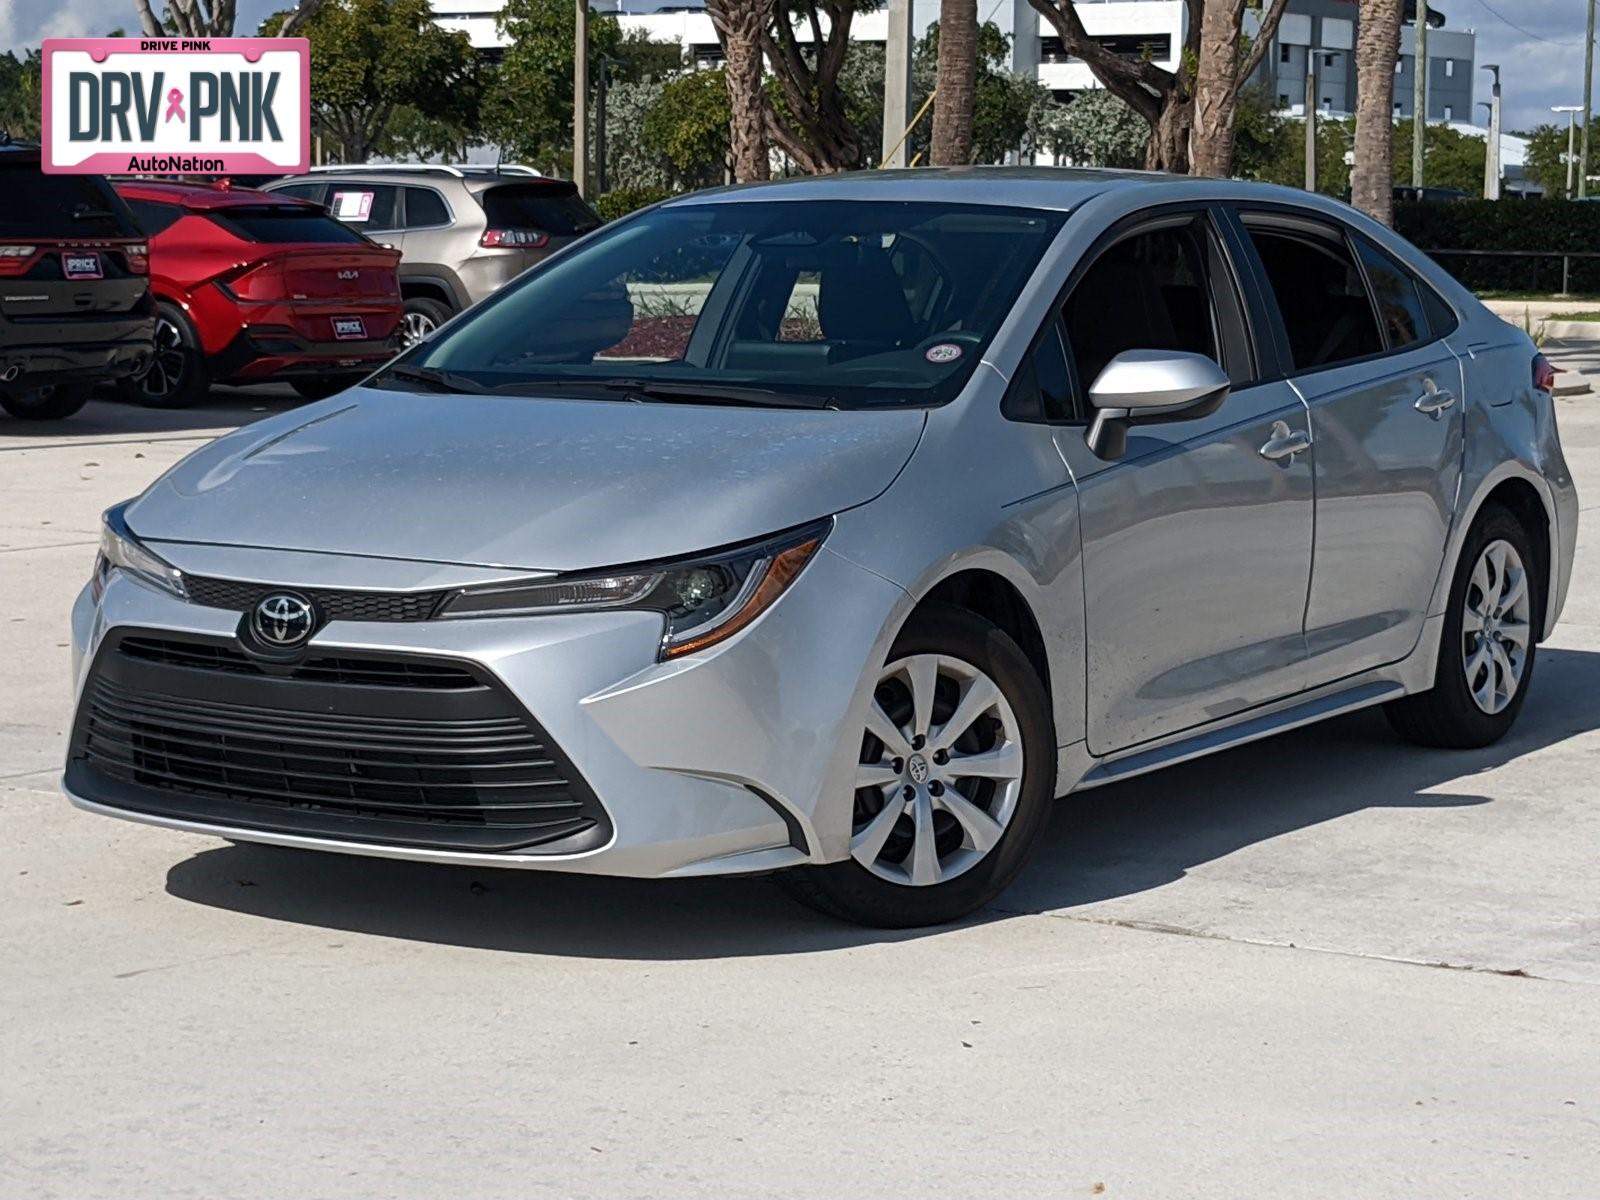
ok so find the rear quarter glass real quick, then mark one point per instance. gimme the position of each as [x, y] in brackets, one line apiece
[37, 205]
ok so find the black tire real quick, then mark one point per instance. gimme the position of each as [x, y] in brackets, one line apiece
[320, 387]
[853, 893]
[422, 316]
[179, 376]
[1446, 716]
[49, 403]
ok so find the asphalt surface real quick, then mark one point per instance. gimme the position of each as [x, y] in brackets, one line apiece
[1326, 965]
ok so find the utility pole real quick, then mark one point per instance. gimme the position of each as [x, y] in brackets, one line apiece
[580, 100]
[1491, 155]
[1419, 93]
[1572, 111]
[1311, 120]
[1588, 104]
[896, 84]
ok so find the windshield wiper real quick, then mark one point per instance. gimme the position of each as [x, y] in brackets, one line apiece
[714, 393]
[441, 380]
[82, 212]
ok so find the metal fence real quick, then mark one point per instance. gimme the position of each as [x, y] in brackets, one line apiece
[1535, 256]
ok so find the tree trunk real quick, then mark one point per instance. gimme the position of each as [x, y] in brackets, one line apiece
[814, 129]
[1216, 89]
[954, 87]
[1377, 48]
[739, 25]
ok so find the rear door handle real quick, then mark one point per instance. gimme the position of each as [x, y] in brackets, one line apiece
[1434, 400]
[1284, 443]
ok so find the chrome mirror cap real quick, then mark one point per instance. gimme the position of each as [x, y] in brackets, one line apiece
[1149, 386]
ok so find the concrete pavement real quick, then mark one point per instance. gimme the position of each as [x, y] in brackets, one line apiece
[1324, 965]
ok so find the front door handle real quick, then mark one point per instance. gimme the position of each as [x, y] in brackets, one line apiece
[1284, 443]
[1434, 400]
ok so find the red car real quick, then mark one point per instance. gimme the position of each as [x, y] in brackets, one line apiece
[252, 286]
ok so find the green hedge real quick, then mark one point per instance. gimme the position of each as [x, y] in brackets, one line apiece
[619, 202]
[1528, 225]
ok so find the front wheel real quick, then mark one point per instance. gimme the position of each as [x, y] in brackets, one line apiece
[48, 403]
[956, 775]
[1489, 642]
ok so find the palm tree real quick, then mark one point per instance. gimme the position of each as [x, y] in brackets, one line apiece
[956, 84]
[740, 25]
[1377, 49]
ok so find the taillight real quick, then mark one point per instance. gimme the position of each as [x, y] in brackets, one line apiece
[138, 259]
[14, 260]
[1544, 374]
[521, 239]
[255, 281]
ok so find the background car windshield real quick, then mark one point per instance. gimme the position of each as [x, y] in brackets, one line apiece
[848, 302]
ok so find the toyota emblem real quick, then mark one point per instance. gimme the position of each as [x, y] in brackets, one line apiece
[282, 620]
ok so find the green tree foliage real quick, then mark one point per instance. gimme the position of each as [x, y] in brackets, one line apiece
[1450, 158]
[638, 56]
[1008, 107]
[372, 58]
[528, 106]
[689, 126]
[19, 93]
[1097, 128]
[1546, 162]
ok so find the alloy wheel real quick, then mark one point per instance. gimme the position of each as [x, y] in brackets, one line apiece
[1496, 627]
[940, 771]
[415, 326]
[164, 376]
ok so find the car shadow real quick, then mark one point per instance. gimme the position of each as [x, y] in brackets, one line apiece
[1113, 841]
[104, 417]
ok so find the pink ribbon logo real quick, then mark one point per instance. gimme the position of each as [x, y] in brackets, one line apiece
[175, 105]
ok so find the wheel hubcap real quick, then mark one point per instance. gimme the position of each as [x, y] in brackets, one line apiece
[940, 771]
[1496, 627]
[165, 373]
[414, 327]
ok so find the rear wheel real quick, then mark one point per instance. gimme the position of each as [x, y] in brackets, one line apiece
[320, 387]
[178, 376]
[422, 316]
[1488, 646]
[48, 403]
[957, 770]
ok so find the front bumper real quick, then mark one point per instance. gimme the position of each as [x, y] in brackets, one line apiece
[737, 759]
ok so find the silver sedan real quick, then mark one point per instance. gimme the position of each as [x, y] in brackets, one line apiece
[836, 527]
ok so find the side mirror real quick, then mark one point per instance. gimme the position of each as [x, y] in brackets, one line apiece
[1148, 387]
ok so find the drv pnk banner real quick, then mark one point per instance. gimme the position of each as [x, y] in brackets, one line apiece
[177, 106]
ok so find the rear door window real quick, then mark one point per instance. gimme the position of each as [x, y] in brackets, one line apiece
[1395, 292]
[554, 208]
[37, 205]
[286, 224]
[1321, 295]
[425, 208]
[369, 206]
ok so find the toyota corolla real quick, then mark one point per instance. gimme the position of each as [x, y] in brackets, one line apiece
[836, 527]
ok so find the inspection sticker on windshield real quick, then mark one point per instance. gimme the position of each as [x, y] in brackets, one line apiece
[177, 106]
[944, 352]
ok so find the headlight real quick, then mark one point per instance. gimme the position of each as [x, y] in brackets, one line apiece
[121, 551]
[704, 601]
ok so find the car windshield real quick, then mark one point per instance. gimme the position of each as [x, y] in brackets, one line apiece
[849, 304]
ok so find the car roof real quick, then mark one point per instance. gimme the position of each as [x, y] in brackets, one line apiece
[202, 197]
[475, 181]
[1050, 188]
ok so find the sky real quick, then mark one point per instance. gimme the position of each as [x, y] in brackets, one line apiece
[1538, 43]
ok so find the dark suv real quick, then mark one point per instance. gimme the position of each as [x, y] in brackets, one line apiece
[75, 306]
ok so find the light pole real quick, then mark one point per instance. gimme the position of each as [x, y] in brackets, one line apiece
[1419, 94]
[1572, 111]
[1588, 104]
[1491, 156]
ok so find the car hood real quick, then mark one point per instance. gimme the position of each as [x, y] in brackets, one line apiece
[513, 481]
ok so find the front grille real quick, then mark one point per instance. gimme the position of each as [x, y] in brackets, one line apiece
[369, 672]
[332, 605]
[375, 755]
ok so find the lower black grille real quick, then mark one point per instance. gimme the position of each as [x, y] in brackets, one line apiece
[371, 754]
[331, 605]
